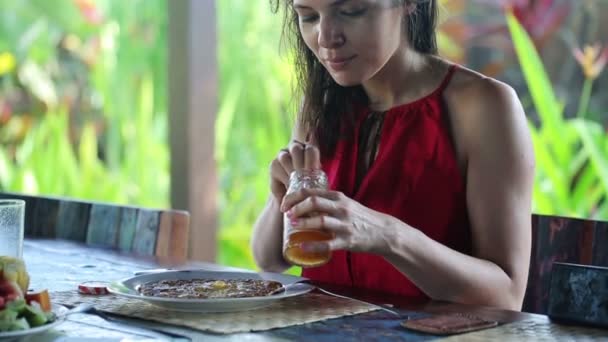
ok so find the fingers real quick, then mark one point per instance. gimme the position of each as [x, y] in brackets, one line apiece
[326, 222]
[296, 149]
[312, 159]
[279, 180]
[315, 204]
[294, 198]
[286, 162]
[304, 156]
[297, 156]
[278, 172]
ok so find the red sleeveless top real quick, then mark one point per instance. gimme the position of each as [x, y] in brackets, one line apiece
[415, 178]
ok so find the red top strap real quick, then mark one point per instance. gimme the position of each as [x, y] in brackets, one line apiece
[447, 78]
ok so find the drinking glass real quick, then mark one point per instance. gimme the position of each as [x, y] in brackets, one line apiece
[12, 213]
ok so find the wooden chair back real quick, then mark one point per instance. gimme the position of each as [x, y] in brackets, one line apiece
[141, 231]
[561, 239]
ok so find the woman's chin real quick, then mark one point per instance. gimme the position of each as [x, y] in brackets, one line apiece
[346, 81]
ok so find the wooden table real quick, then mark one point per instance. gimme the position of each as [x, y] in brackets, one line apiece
[60, 265]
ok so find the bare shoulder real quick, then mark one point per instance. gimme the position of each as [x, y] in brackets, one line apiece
[485, 111]
[473, 93]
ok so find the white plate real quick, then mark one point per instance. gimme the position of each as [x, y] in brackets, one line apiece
[59, 311]
[128, 288]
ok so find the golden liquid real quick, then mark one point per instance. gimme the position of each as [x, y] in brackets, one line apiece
[296, 256]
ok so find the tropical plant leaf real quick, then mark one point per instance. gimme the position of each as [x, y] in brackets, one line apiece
[592, 135]
[541, 90]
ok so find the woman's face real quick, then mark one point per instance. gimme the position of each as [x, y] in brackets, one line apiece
[353, 39]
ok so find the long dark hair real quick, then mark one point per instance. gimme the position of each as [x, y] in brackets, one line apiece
[327, 106]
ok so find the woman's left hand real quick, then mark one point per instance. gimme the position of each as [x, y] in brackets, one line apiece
[354, 226]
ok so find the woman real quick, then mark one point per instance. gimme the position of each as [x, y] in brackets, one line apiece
[430, 164]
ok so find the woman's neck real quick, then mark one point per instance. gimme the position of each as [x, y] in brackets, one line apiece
[404, 78]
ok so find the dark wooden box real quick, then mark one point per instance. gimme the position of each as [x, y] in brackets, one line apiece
[579, 294]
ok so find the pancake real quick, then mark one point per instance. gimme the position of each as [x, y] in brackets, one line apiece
[209, 288]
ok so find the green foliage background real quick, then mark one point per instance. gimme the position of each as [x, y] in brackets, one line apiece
[254, 121]
[84, 103]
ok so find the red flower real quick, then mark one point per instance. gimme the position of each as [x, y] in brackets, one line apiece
[540, 18]
[89, 11]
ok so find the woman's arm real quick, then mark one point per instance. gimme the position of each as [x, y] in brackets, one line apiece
[267, 238]
[500, 170]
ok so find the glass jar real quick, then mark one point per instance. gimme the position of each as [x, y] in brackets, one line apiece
[293, 237]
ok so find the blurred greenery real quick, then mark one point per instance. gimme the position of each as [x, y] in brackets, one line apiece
[571, 154]
[254, 119]
[83, 99]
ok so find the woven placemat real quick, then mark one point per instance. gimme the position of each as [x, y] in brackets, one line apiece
[533, 331]
[308, 308]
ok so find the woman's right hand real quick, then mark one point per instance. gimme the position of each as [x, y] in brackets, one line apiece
[296, 156]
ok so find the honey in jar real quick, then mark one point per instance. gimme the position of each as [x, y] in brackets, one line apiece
[293, 237]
